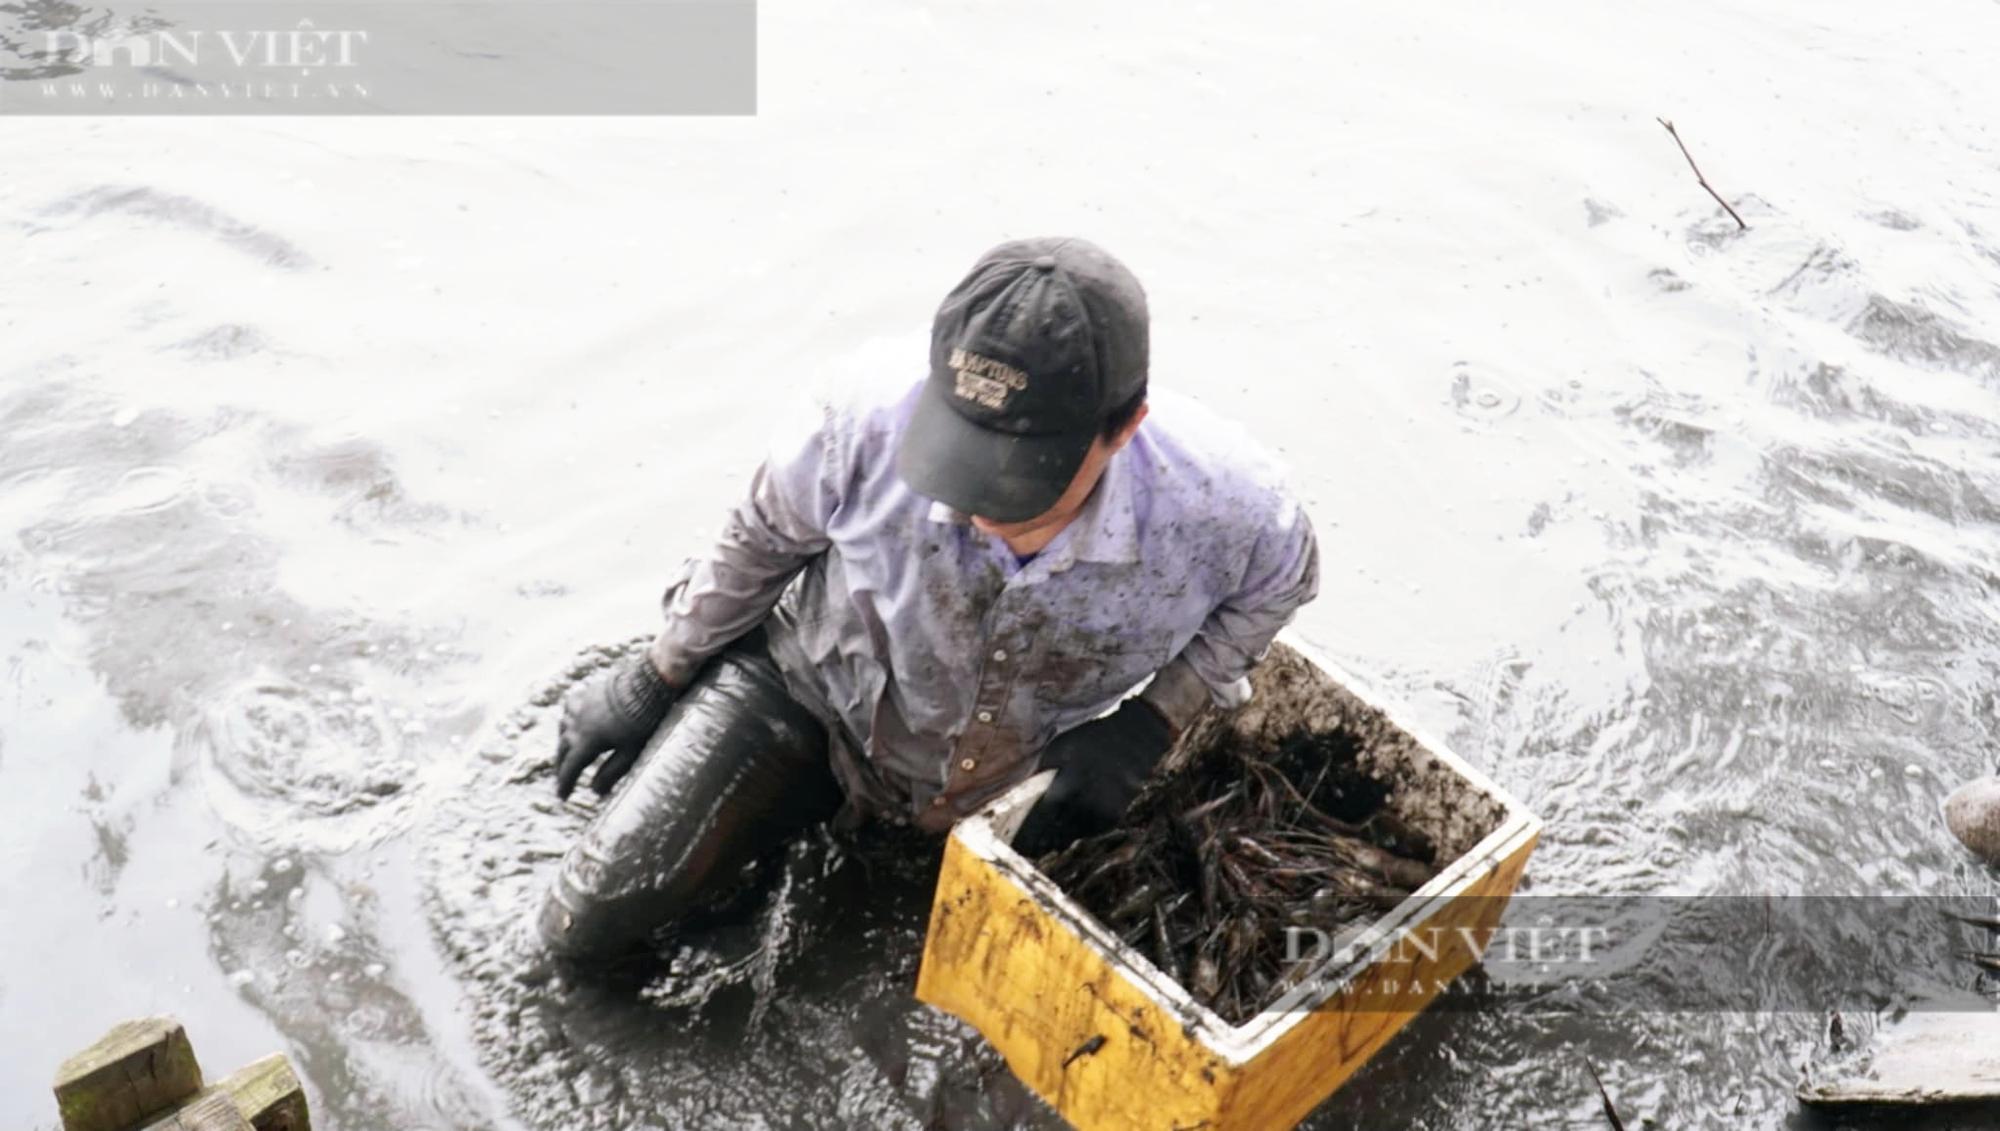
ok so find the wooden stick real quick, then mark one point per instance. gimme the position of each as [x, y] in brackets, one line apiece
[1699, 179]
[1610, 1109]
[1085, 1049]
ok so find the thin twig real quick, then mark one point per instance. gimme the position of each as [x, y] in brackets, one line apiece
[1610, 1110]
[1085, 1049]
[1699, 179]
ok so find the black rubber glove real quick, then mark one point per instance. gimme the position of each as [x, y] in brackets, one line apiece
[618, 712]
[1100, 767]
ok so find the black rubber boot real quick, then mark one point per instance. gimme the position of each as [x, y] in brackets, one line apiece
[737, 767]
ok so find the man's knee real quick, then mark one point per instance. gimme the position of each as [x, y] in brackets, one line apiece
[739, 767]
[581, 923]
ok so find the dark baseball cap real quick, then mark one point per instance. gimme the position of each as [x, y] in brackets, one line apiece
[1029, 355]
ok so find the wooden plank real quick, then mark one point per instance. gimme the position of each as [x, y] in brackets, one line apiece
[269, 1095]
[1930, 1059]
[213, 1110]
[137, 1070]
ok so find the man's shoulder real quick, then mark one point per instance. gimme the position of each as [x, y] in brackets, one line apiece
[869, 404]
[1211, 460]
[872, 384]
[856, 404]
[1222, 502]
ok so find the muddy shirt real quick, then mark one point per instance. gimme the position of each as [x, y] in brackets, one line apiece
[941, 662]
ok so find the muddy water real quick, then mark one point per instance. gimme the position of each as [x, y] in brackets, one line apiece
[330, 451]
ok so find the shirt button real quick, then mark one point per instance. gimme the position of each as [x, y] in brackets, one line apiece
[1000, 655]
[985, 716]
[968, 765]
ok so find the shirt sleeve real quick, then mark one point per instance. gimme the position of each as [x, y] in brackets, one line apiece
[1282, 575]
[768, 537]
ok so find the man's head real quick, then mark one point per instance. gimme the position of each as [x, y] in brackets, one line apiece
[1038, 374]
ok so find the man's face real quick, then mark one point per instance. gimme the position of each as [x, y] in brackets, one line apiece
[1071, 501]
[1073, 498]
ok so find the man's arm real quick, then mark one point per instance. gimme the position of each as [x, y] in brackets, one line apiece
[767, 539]
[1103, 764]
[1283, 574]
[725, 592]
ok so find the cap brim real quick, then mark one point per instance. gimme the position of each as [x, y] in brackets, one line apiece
[994, 475]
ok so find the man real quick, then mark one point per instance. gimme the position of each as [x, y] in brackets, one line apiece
[935, 592]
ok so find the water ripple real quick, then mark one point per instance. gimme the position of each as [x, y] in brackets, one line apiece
[312, 767]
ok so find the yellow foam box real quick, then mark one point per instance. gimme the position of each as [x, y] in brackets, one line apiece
[1114, 1044]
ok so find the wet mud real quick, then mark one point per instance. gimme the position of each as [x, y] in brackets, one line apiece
[788, 1005]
